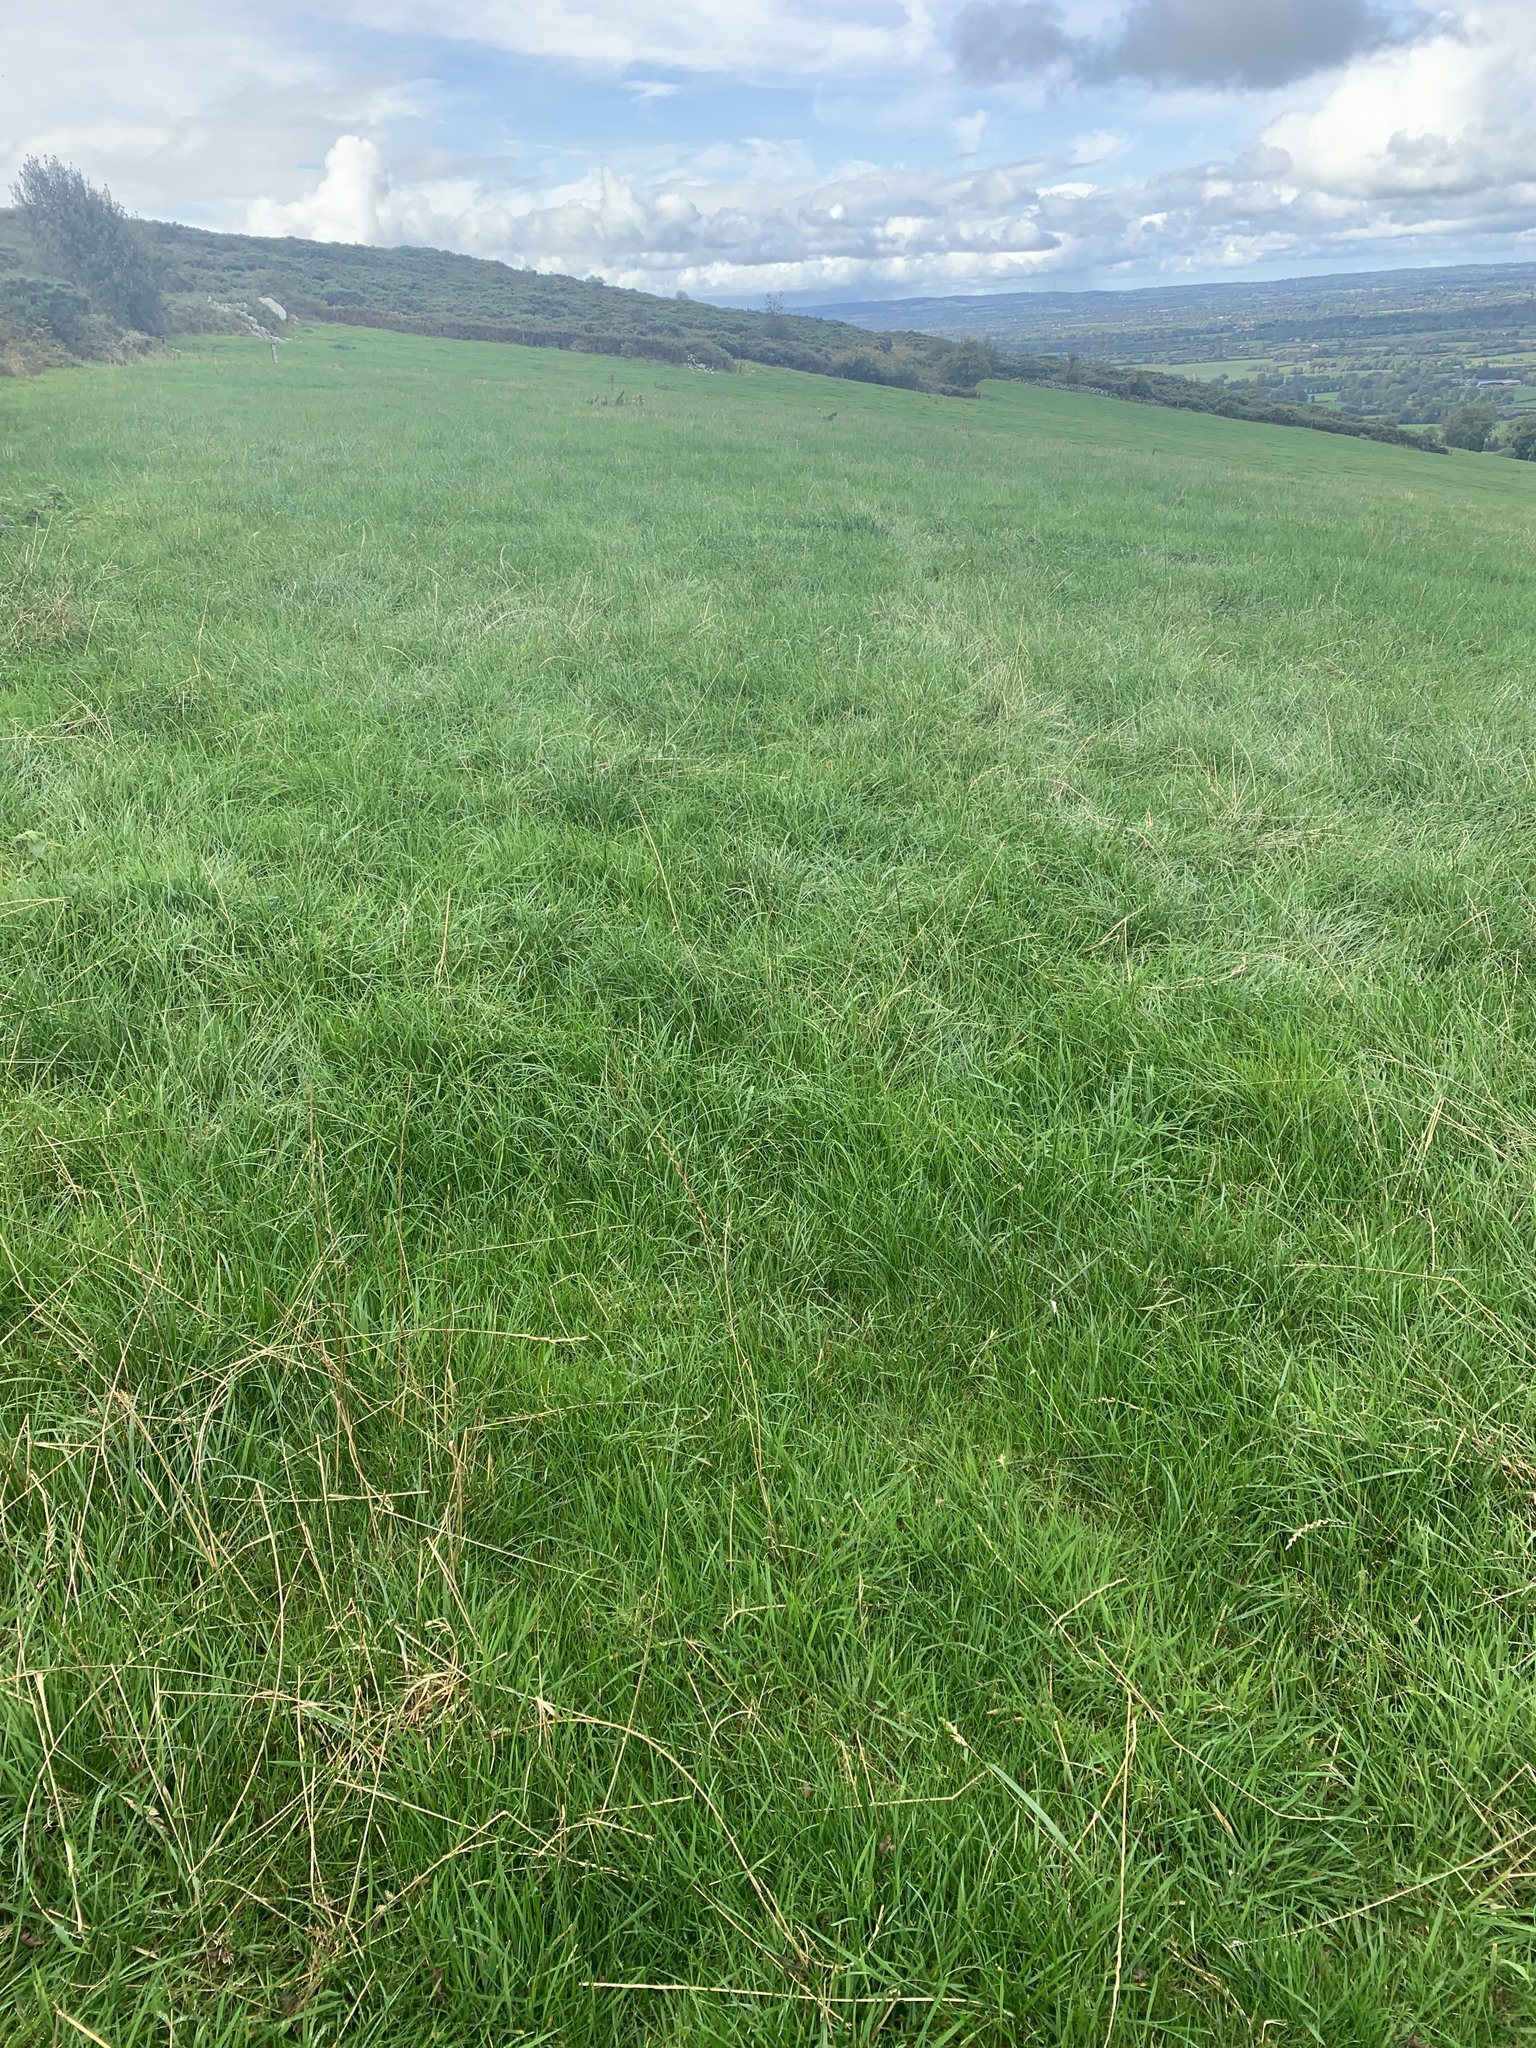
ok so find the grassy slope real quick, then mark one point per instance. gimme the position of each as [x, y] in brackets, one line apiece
[434, 292]
[971, 960]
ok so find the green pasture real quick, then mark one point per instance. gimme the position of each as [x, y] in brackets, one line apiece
[1205, 371]
[767, 1263]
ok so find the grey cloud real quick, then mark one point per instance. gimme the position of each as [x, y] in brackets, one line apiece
[1246, 43]
[1232, 42]
[1010, 41]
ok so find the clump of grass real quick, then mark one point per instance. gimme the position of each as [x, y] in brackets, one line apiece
[775, 1288]
[34, 617]
[38, 608]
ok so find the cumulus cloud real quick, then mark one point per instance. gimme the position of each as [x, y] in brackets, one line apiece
[703, 229]
[1429, 148]
[1417, 147]
[1186, 42]
[351, 203]
[1213, 42]
[1448, 126]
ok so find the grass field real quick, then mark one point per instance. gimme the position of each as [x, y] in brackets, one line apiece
[766, 1190]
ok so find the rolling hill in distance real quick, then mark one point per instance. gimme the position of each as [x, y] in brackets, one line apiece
[1411, 342]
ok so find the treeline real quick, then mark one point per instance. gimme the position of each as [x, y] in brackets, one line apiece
[942, 370]
[78, 278]
[1189, 394]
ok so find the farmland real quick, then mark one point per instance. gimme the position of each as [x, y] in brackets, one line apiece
[1412, 344]
[765, 1183]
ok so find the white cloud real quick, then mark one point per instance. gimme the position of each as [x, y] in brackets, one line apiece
[351, 203]
[1099, 145]
[1423, 148]
[1419, 152]
[700, 230]
[1451, 118]
[741, 38]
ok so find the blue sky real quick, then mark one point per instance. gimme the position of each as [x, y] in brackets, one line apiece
[825, 149]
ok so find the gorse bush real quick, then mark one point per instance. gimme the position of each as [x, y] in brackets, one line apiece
[81, 229]
[50, 306]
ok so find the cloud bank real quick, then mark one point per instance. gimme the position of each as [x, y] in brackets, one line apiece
[1431, 143]
[1186, 42]
[890, 145]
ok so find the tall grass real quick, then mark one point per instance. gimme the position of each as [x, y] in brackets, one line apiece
[765, 1192]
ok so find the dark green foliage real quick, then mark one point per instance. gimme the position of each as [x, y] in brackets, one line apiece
[1521, 439]
[1468, 426]
[964, 367]
[87, 236]
[1187, 394]
[48, 305]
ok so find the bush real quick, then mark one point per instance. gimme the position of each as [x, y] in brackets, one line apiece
[89, 238]
[49, 306]
[1468, 426]
[1520, 440]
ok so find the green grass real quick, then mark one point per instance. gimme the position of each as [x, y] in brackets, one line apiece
[766, 1198]
[1236, 367]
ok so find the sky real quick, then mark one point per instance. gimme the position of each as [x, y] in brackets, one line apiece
[825, 150]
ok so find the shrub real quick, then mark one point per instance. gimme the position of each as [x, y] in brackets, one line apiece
[82, 230]
[1520, 440]
[50, 306]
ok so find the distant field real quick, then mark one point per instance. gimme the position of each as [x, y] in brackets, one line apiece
[765, 1191]
[1231, 366]
[1405, 343]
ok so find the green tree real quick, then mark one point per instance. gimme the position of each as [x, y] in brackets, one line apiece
[1521, 439]
[1468, 426]
[81, 229]
[965, 366]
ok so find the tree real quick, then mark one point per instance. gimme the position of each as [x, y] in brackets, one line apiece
[965, 365]
[1521, 438]
[1468, 426]
[81, 229]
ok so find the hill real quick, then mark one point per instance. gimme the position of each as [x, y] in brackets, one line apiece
[219, 281]
[765, 1178]
[1410, 343]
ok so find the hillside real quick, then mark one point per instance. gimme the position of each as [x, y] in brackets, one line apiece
[765, 1170]
[1412, 343]
[433, 290]
[217, 280]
